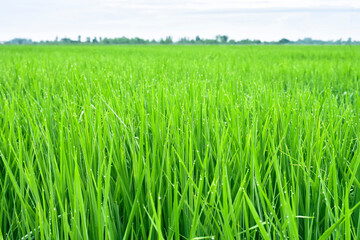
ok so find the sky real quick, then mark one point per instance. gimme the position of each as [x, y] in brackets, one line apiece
[265, 20]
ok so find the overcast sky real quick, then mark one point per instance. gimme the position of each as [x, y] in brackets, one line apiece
[263, 19]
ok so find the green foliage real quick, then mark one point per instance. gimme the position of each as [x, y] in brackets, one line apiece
[167, 40]
[284, 41]
[179, 142]
[219, 39]
[222, 38]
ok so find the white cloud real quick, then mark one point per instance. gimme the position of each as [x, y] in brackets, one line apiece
[265, 20]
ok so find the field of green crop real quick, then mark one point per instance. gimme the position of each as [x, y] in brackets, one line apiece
[179, 142]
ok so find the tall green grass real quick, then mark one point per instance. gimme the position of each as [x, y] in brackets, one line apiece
[179, 142]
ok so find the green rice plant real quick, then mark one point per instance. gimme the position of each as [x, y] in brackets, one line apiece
[179, 142]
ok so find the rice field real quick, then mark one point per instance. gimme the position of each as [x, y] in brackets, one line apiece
[179, 142]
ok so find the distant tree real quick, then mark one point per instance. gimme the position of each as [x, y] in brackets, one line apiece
[222, 38]
[79, 38]
[218, 38]
[66, 40]
[168, 40]
[183, 40]
[308, 40]
[245, 41]
[56, 39]
[339, 41]
[88, 40]
[122, 40]
[94, 40]
[210, 41]
[106, 41]
[284, 41]
[19, 41]
[198, 39]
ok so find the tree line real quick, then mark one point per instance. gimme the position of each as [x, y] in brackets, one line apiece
[219, 39]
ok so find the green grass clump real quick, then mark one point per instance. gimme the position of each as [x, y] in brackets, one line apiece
[179, 142]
